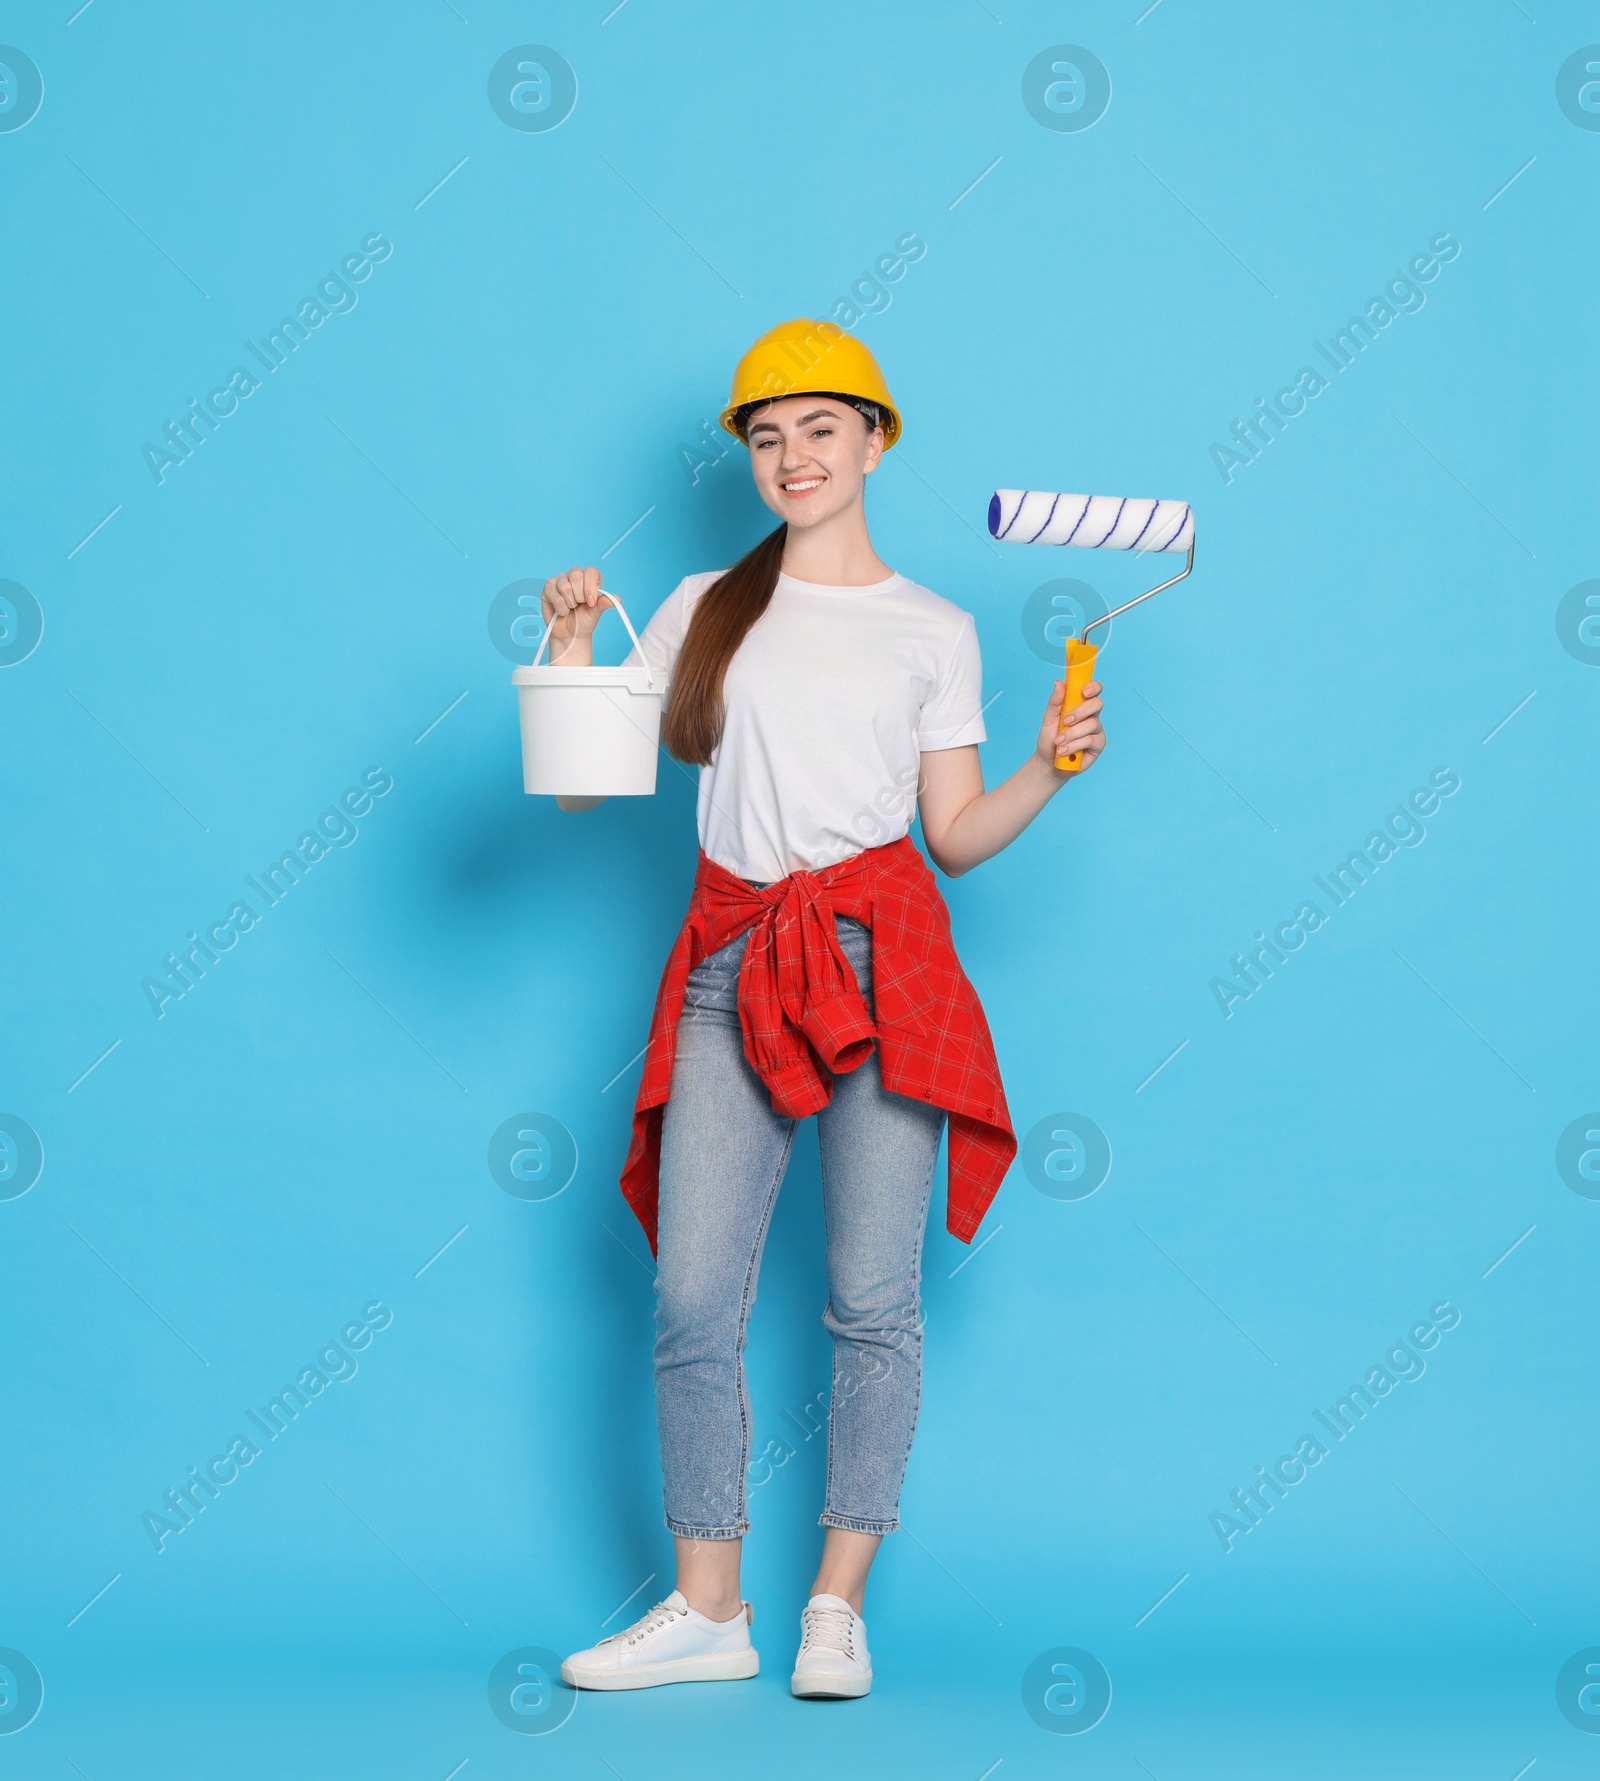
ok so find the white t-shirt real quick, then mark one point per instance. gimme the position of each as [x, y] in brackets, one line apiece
[830, 699]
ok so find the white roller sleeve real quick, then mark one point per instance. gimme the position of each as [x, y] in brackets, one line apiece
[1098, 522]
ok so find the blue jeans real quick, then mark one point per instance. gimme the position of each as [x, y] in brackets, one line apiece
[723, 1156]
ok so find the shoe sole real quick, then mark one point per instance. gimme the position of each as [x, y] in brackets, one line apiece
[830, 1688]
[728, 1666]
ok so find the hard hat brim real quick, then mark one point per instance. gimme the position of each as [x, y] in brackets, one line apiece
[735, 419]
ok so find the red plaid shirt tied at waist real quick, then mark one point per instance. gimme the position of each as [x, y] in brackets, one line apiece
[805, 1021]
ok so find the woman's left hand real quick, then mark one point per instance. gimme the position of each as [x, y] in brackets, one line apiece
[1077, 731]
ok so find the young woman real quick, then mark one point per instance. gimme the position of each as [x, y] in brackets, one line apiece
[827, 700]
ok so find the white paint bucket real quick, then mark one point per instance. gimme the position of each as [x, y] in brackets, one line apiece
[589, 732]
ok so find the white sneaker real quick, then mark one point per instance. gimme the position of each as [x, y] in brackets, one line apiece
[834, 1661]
[672, 1643]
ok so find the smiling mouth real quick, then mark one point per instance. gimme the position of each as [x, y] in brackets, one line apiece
[802, 487]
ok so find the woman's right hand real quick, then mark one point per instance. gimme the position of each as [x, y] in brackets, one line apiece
[574, 600]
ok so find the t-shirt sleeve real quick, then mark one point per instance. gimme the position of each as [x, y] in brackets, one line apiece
[953, 716]
[662, 638]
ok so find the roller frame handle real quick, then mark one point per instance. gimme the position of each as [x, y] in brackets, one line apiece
[1081, 655]
[1080, 671]
[1094, 624]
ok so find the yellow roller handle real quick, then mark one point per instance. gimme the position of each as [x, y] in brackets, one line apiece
[1080, 671]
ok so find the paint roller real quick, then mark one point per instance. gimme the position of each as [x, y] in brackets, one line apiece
[1092, 522]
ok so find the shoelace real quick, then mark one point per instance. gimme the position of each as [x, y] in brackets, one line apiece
[833, 1629]
[662, 1614]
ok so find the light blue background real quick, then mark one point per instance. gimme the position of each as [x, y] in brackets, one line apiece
[299, 1136]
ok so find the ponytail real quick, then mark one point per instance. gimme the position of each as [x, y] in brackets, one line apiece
[722, 619]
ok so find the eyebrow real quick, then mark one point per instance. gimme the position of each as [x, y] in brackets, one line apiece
[805, 419]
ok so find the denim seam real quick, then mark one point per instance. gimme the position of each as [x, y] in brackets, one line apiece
[833, 1371]
[741, 1390]
[856, 1525]
[684, 1532]
[829, 1518]
[916, 1299]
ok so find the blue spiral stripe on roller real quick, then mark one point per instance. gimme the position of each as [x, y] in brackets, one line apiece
[1178, 533]
[1155, 508]
[1047, 519]
[1087, 503]
[1117, 521]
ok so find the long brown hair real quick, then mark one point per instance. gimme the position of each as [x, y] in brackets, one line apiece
[722, 618]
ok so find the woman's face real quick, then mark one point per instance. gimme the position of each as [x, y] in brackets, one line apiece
[810, 456]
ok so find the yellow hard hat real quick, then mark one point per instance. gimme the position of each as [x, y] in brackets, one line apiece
[806, 358]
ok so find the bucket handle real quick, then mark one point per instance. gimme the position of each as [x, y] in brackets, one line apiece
[649, 678]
